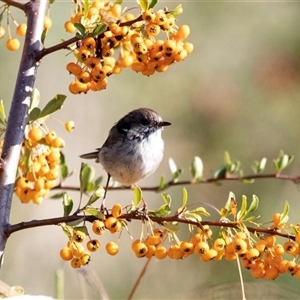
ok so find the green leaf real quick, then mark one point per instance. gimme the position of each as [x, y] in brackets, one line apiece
[2, 113]
[167, 198]
[99, 29]
[143, 4]
[200, 211]
[284, 216]
[34, 114]
[119, 1]
[93, 212]
[253, 205]
[177, 10]
[75, 223]
[228, 202]
[86, 6]
[221, 172]
[81, 29]
[53, 105]
[192, 217]
[172, 165]
[197, 169]
[44, 35]
[98, 180]
[162, 183]
[163, 211]
[137, 196]
[57, 196]
[67, 204]
[82, 228]
[86, 176]
[242, 212]
[171, 226]
[282, 161]
[64, 171]
[153, 3]
[98, 193]
[227, 159]
[184, 197]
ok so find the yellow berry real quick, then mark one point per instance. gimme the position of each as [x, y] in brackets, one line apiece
[98, 227]
[69, 27]
[252, 254]
[21, 29]
[70, 126]
[78, 236]
[58, 142]
[93, 245]
[85, 258]
[116, 210]
[152, 29]
[116, 10]
[201, 248]
[187, 247]
[66, 253]
[73, 68]
[75, 263]
[47, 22]
[240, 246]
[2, 32]
[219, 244]
[76, 249]
[160, 252]
[112, 248]
[12, 44]
[35, 134]
[183, 32]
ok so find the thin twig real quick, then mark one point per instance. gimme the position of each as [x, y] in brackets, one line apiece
[15, 3]
[293, 178]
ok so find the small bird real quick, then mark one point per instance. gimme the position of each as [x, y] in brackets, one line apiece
[134, 147]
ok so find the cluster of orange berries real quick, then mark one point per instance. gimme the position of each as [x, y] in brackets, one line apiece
[39, 166]
[133, 36]
[13, 43]
[265, 257]
[76, 253]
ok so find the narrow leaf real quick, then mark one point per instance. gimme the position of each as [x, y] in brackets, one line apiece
[200, 211]
[221, 172]
[99, 29]
[67, 204]
[167, 198]
[86, 176]
[172, 165]
[44, 35]
[177, 10]
[53, 105]
[197, 168]
[99, 192]
[184, 197]
[80, 28]
[34, 114]
[253, 205]
[143, 4]
[2, 112]
[243, 210]
[171, 226]
[152, 3]
[137, 196]
[162, 183]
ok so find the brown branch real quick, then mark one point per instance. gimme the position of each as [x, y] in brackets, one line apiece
[67, 43]
[16, 3]
[132, 216]
[293, 178]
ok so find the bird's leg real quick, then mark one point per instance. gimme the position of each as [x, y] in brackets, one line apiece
[102, 207]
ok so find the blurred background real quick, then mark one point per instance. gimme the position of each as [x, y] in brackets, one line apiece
[239, 91]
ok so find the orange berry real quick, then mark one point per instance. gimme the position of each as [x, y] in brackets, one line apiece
[66, 253]
[12, 44]
[93, 245]
[21, 29]
[116, 210]
[152, 29]
[69, 126]
[116, 10]
[35, 134]
[47, 22]
[187, 247]
[73, 68]
[85, 258]
[160, 252]
[252, 254]
[78, 236]
[201, 248]
[98, 227]
[69, 27]
[75, 263]
[2, 32]
[112, 248]
[183, 32]
[240, 246]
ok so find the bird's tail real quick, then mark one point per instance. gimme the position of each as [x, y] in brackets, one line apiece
[91, 155]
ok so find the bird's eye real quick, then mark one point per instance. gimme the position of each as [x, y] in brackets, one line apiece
[145, 122]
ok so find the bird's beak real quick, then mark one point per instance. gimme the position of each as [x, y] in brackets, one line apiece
[164, 123]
